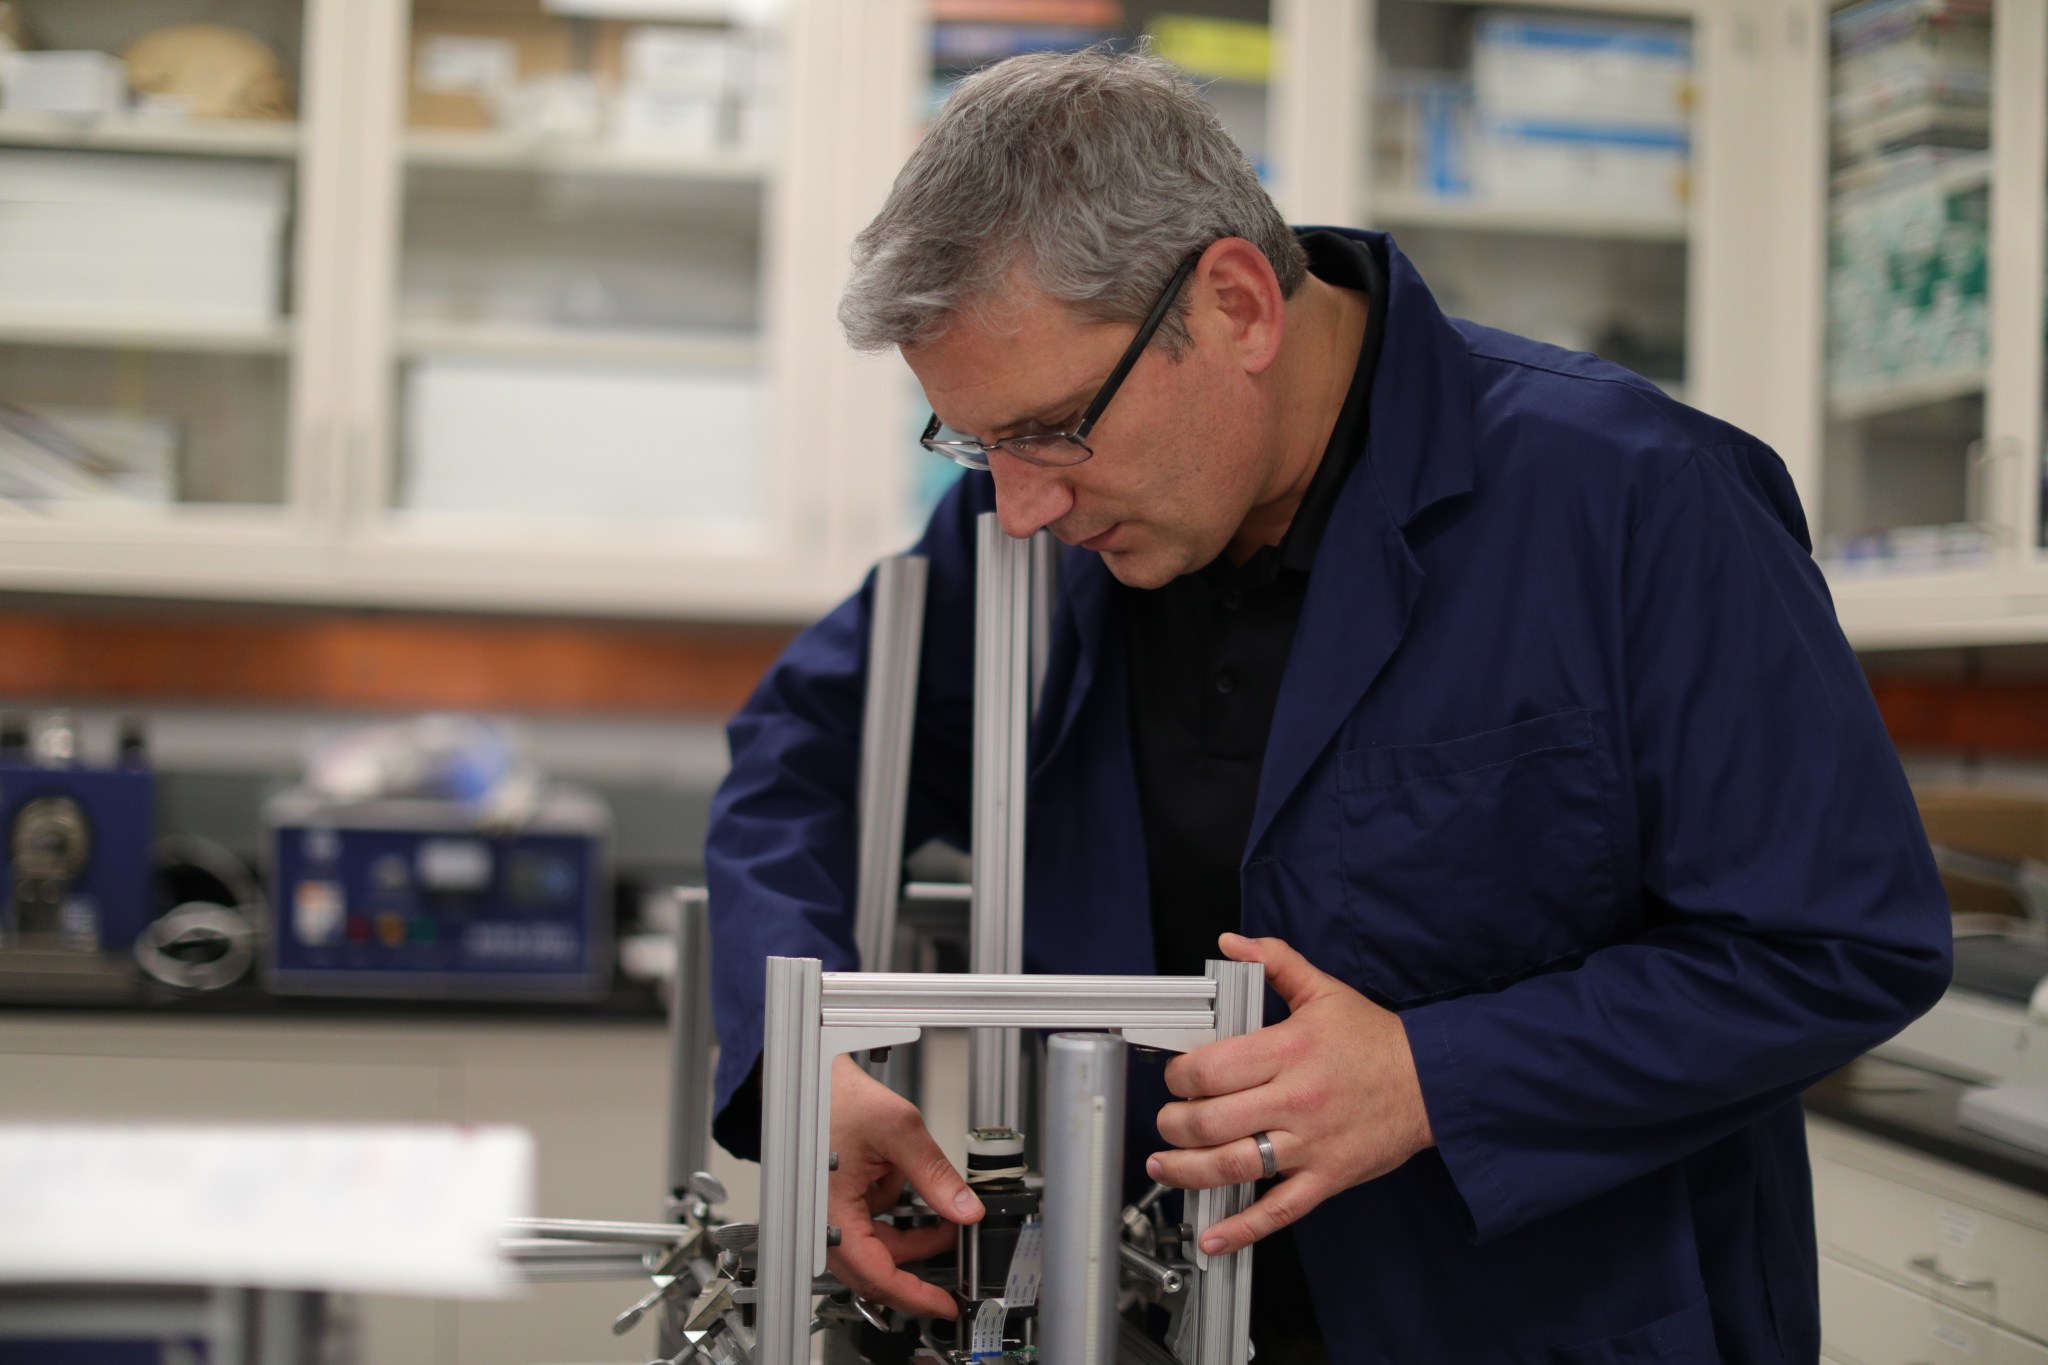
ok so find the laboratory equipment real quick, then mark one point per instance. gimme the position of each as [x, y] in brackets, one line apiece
[753, 1294]
[433, 897]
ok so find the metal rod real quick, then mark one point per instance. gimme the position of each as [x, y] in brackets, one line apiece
[1045, 596]
[1082, 1140]
[1150, 1269]
[895, 646]
[691, 1038]
[1223, 1289]
[945, 1000]
[792, 1160]
[1002, 703]
[583, 1230]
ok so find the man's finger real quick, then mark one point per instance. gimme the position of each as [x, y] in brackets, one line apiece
[909, 1148]
[1290, 974]
[1213, 1122]
[1205, 1168]
[865, 1264]
[919, 1243]
[1284, 1204]
[1227, 1066]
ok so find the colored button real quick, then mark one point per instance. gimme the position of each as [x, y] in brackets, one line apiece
[391, 930]
[358, 929]
[426, 931]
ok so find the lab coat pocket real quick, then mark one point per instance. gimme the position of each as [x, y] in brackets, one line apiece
[1470, 862]
[1682, 1338]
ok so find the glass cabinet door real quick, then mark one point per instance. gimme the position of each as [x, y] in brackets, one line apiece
[1536, 163]
[149, 191]
[1224, 45]
[1907, 467]
[578, 320]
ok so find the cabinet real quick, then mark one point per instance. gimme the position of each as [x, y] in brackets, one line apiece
[1923, 1262]
[594, 1095]
[551, 328]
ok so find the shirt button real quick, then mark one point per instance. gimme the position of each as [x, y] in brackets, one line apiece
[1232, 600]
[1226, 682]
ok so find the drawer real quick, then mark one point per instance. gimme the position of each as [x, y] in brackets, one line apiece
[1868, 1321]
[1955, 1251]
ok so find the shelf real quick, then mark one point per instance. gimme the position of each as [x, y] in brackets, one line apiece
[684, 349]
[147, 334]
[1917, 391]
[512, 152]
[1400, 208]
[201, 137]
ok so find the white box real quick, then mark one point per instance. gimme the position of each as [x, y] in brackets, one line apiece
[1582, 71]
[608, 443]
[682, 123]
[1641, 175]
[106, 239]
[683, 60]
[79, 84]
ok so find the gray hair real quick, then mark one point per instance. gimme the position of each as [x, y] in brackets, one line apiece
[1096, 172]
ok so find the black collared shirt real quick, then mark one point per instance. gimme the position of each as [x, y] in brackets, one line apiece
[1207, 651]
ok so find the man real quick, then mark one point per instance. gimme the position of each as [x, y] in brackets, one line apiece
[1493, 693]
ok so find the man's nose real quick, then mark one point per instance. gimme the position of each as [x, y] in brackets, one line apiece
[1029, 497]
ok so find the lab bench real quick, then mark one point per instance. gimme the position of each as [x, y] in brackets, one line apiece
[1933, 1238]
[590, 1083]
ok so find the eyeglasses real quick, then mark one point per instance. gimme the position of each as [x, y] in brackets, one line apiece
[1057, 449]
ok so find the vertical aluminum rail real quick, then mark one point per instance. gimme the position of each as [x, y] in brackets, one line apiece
[691, 1037]
[895, 644]
[1045, 597]
[794, 1119]
[1002, 705]
[1223, 1284]
[1082, 1137]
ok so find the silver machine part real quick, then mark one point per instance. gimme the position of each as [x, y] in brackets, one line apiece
[814, 1015]
[895, 639]
[1082, 1137]
[1002, 713]
[692, 1037]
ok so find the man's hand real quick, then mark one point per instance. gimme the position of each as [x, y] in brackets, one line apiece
[1333, 1087]
[882, 1144]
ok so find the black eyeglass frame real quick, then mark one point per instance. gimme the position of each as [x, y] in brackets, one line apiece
[974, 454]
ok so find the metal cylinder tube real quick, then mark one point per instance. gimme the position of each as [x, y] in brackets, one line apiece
[1083, 1134]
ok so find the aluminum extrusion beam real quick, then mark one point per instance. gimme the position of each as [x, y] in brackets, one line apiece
[691, 1038]
[895, 647]
[1002, 712]
[1045, 597]
[946, 1000]
[1082, 1139]
[795, 1078]
[1223, 1284]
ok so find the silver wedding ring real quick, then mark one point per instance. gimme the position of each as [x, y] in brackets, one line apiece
[1269, 1163]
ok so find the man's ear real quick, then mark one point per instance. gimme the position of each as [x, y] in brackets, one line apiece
[1238, 298]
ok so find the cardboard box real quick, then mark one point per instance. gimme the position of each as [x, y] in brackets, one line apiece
[464, 65]
[2003, 824]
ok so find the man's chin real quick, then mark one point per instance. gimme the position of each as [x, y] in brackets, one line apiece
[1136, 569]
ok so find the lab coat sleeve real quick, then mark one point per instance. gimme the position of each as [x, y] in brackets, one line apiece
[782, 848]
[1794, 917]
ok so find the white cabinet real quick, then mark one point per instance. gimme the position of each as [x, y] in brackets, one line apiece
[594, 1095]
[555, 288]
[1922, 1261]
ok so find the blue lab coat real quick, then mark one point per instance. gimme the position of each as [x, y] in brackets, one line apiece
[1571, 765]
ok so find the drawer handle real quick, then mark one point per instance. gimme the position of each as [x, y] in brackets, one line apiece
[1929, 1267]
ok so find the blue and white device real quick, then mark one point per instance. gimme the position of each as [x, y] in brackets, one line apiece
[420, 898]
